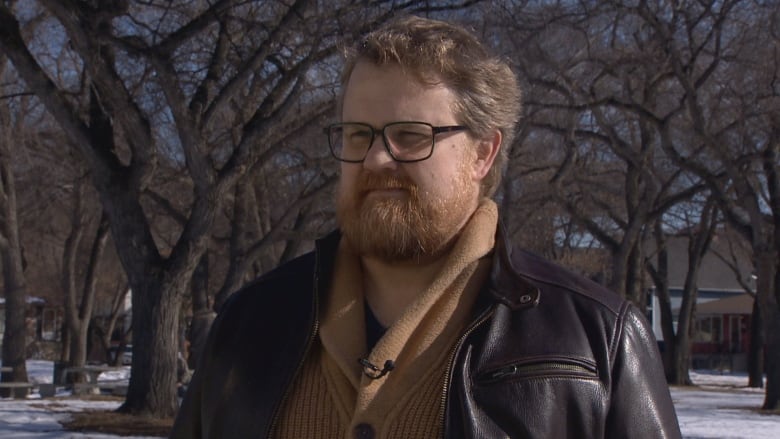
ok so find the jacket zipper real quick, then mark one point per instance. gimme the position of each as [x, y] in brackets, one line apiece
[309, 343]
[548, 366]
[451, 363]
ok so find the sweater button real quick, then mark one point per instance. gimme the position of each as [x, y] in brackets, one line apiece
[364, 431]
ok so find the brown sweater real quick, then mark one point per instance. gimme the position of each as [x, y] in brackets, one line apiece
[331, 397]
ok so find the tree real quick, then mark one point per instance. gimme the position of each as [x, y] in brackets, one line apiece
[687, 83]
[609, 172]
[721, 124]
[81, 288]
[14, 353]
[677, 341]
[195, 89]
[734, 256]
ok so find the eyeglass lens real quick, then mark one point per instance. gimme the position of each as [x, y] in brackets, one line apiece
[406, 141]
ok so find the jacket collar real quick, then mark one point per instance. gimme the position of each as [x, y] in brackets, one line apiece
[506, 284]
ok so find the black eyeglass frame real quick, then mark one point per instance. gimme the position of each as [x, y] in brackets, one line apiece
[435, 130]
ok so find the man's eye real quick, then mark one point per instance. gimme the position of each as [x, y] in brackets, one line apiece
[359, 136]
[410, 138]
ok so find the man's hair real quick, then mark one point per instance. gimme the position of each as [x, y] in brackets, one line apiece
[486, 89]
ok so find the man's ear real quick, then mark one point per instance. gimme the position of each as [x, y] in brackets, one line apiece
[487, 150]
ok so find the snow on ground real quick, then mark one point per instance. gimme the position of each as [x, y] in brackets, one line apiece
[37, 417]
[721, 406]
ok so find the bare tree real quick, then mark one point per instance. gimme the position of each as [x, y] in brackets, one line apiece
[688, 83]
[677, 342]
[734, 256]
[14, 341]
[725, 69]
[601, 158]
[80, 286]
[203, 89]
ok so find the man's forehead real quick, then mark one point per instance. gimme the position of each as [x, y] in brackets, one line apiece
[424, 76]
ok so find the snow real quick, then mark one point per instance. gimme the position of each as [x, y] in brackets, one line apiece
[723, 407]
[719, 406]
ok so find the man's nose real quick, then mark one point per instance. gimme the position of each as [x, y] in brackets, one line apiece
[378, 157]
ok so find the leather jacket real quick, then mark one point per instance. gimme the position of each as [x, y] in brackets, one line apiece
[549, 354]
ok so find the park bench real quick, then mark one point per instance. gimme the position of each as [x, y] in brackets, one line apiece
[91, 386]
[15, 384]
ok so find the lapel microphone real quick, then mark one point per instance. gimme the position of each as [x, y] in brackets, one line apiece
[373, 371]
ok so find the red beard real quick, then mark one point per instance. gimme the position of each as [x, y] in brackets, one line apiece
[398, 228]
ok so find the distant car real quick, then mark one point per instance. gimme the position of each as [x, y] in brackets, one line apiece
[127, 355]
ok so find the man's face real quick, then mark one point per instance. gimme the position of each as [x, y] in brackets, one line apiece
[404, 211]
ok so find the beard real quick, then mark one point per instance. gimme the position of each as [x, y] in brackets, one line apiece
[413, 227]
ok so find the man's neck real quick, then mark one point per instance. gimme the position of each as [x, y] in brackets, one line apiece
[391, 287]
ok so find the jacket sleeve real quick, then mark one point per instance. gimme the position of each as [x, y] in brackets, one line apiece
[640, 405]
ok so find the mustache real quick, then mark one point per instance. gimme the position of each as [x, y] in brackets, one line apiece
[368, 181]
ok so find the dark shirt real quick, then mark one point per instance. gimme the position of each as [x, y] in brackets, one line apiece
[374, 329]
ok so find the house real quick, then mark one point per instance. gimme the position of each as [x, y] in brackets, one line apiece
[722, 333]
[44, 322]
[721, 329]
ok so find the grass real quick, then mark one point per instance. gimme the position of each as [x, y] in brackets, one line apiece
[110, 422]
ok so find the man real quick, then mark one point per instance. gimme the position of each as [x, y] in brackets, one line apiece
[417, 319]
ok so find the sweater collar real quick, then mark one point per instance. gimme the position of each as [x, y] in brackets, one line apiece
[423, 335]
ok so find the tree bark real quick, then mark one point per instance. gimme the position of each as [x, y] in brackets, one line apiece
[106, 337]
[698, 243]
[87, 303]
[767, 291]
[660, 276]
[250, 98]
[756, 349]
[202, 314]
[77, 354]
[682, 340]
[15, 335]
[152, 388]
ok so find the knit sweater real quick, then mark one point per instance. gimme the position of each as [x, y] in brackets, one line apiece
[332, 398]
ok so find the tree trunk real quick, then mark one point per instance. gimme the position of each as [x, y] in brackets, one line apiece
[79, 343]
[78, 310]
[756, 349]
[635, 291]
[15, 335]
[292, 247]
[767, 271]
[202, 314]
[660, 276]
[70, 251]
[105, 339]
[682, 340]
[241, 239]
[617, 281]
[772, 353]
[152, 387]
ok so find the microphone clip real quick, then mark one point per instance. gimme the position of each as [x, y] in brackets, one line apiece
[373, 371]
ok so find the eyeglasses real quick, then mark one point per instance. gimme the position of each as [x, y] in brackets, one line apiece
[406, 142]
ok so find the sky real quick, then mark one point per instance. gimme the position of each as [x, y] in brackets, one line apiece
[719, 406]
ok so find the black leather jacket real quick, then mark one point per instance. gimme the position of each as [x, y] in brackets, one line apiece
[548, 354]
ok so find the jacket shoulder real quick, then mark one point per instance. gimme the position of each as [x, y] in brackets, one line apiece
[287, 283]
[547, 275]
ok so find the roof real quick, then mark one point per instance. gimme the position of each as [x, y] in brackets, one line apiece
[738, 304]
[714, 273]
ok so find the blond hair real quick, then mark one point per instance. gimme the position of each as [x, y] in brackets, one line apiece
[486, 89]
